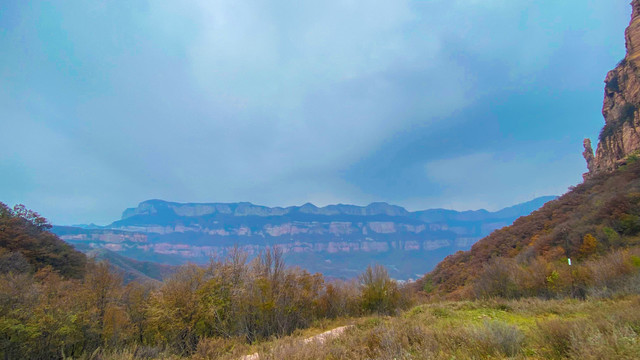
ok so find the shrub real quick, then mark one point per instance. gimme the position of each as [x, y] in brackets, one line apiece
[612, 237]
[556, 335]
[379, 293]
[615, 273]
[216, 348]
[498, 279]
[607, 130]
[14, 262]
[628, 224]
[499, 338]
[588, 247]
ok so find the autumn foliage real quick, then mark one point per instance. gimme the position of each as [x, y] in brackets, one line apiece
[52, 310]
[594, 219]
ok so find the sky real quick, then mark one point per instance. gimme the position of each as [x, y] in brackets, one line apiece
[460, 104]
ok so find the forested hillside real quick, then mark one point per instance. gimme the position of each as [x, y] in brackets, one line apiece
[26, 245]
[583, 242]
[55, 304]
[594, 218]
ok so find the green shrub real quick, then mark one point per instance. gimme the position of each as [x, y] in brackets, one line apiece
[612, 236]
[380, 293]
[628, 224]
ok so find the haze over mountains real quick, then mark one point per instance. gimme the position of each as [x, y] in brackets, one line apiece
[597, 217]
[337, 240]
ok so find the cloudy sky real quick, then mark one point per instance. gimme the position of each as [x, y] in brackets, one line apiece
[460, 104]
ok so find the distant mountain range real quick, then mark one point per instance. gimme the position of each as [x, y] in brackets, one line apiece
[337, 240]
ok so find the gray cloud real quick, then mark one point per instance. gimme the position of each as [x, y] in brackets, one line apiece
[108, 104]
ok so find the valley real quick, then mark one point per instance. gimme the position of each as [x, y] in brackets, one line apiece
[337, 240]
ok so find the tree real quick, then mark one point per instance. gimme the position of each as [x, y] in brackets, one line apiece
[379, 293]
[25, 232]
[588, 247]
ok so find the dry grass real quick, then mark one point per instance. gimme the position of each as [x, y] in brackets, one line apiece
[495, 328]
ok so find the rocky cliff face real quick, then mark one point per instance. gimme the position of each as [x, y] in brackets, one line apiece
[620, 136]
[338, 240]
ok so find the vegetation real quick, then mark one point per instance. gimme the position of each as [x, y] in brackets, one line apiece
[26, 245]
[51, 308]
[616, 273]
[596, 220]
[481, 329]
[519, 296]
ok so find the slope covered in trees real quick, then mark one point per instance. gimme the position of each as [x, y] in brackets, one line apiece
[128, 268]
[593, 219]
[594, 226]
[53, 312]
[25, 244]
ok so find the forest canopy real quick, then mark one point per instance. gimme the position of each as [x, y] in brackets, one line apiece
[27, 245]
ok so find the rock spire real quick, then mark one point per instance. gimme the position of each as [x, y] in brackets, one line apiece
[620, 136]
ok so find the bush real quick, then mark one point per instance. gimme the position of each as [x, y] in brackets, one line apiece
[498, 279]
[615, 273]
[380, 294]
[499, 338]
[628, 224]
[556, 335]
[588, 247]
[217, 348]
[14, 262]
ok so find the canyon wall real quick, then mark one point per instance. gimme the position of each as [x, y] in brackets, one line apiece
[338, 240]
[620, 137]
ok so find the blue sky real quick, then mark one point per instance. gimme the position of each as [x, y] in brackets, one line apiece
[442, 103]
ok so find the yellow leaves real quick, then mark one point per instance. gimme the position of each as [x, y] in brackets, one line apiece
[230, 298]
[588, 247]
[116, 325]
[534, 239]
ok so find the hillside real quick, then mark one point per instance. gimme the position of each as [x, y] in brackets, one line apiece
[596, 217]
[337, 240]
[26, 245]
[130, 269]
[606, 206]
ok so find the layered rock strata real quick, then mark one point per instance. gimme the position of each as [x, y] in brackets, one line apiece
[620, 137]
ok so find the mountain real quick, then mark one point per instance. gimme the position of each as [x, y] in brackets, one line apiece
[337, 240]
[620, 136]
[595, 218]
[27, 245]
[130, 269]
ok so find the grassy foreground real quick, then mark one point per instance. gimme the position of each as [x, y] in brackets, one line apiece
[491, 329]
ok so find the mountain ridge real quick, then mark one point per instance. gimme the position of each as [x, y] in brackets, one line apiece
[337, 240]
[149, 207]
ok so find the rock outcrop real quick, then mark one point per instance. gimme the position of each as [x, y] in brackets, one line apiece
[336, 239]
[620, 136]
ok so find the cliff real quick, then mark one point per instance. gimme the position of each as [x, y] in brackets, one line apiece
[620, 137]
[337, 240]
[604, 208]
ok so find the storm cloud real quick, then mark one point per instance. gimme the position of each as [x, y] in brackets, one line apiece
[451, 103]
